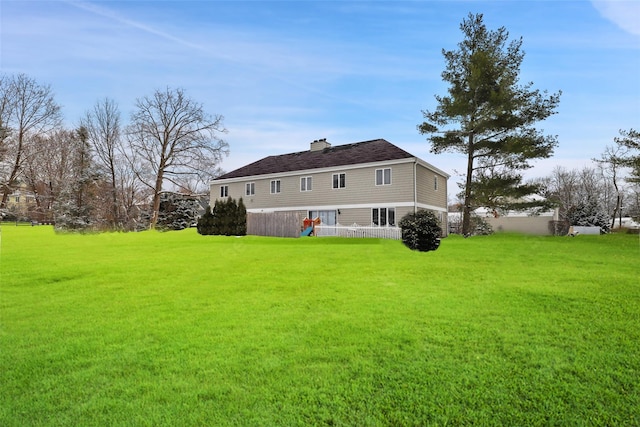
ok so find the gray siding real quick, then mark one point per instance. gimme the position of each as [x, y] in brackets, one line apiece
[360, 216]
[427, 193]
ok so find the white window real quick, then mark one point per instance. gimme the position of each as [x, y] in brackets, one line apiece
[383, 217]
[435, 182]
[305, 183]
[275, 186]
[339, 180]
[383, 176]
[224, 191]
[250, 189]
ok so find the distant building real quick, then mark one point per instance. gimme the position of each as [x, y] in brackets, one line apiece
[21, 203]
[540, 223]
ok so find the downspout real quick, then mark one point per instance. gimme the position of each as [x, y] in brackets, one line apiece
[415, 185]
[445, 226]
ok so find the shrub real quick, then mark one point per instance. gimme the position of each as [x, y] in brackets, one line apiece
[228, 218]
[205, 224]
[421, 231]
[177, 212]
[480, 227]
[241, 219]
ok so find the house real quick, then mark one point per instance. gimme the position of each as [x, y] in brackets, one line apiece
[365, 183]
[21, 203]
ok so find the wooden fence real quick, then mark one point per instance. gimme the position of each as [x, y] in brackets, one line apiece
[275, 224]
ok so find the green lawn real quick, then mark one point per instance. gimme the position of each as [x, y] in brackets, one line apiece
[175, 328]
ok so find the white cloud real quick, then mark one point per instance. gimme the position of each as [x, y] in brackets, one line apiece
[624, 13]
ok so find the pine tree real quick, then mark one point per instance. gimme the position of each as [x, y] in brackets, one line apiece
[487, 115]
[176, 212]
[630, 141]
[241, 219]
[228, 218]
[589, 213]
[74, 206]
[205, 223]
[216, 214]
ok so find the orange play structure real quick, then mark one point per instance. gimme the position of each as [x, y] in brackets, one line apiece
[308, 225]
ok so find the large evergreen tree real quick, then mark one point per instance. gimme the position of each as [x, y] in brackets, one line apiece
[630, 141]
[488, 115]
[75, 205]
[177, 211]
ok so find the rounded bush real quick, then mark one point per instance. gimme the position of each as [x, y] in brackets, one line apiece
[421, 231]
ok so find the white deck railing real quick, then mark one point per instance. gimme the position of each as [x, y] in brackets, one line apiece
[356, 230]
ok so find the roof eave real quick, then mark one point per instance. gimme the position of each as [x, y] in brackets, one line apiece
[314, 170]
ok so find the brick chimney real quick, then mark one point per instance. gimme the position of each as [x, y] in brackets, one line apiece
[320, 144]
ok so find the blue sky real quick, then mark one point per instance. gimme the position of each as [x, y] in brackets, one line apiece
[287, 72]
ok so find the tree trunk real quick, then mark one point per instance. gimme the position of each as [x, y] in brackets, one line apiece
[466, 212]
[5, 196]
[14, 172]
[114, 198]
[615, 212]
[156, 201]
[618, 202]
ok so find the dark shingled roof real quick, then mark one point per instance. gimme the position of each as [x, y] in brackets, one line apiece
[377, 150]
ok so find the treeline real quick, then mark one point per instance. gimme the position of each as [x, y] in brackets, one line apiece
[107, 174]
[598, 195]
[104, 174]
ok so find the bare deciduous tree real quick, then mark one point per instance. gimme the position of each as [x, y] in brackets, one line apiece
[133, 194]
[7, 104]
[48, 166]
[34, 112]
[103, 130]
[611, 162]
[173, 137]
[563, 188]
[578, 194]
